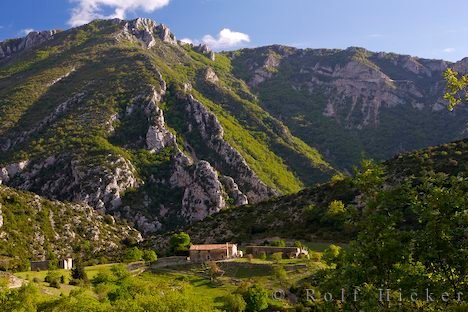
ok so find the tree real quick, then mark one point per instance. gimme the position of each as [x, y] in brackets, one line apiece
[133, 254]
[150, 256]
[279, 243]
[457, 88]
[331, 254]
[281, 274]
[235, 303]
[335, 208]
[256, 298]
[411, 236]
[53, 278]
[78, 272]
[179, 242]
[277, 257]
[214, 270]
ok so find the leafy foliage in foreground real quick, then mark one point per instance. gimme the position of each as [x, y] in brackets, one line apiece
[116, 292]
[411, 238]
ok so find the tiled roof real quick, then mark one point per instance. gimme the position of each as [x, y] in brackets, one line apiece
[210, 247]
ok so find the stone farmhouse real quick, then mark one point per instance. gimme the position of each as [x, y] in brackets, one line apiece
[288, 252]
[213, 252]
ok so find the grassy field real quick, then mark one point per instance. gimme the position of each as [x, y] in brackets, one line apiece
[196, 278]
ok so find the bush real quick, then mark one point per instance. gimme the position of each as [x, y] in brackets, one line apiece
[280, 274]
[78, 272]
[36, 280]
[279, 243]
[179, 242]
[277, 257]
[150, 256]
[256, 298]
[262, 256]
[133, 254]
[315, 256]
[235, 303]
[101, 277]
[53, 278]
[331, 254]
[120, 271]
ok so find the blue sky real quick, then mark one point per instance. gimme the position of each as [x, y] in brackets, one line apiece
[425, 28]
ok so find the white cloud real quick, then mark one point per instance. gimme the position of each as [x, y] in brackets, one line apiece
[26, 31]
[187, 40]
[225, 39]
[88, 10]
[449, 50]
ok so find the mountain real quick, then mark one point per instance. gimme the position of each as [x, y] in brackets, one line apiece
[354, 103]
[121, 116]
[303, 216]
[32, 227]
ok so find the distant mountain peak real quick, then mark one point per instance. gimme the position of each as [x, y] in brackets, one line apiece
[10, 47]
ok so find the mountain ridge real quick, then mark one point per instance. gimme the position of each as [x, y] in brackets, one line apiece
[121, 116]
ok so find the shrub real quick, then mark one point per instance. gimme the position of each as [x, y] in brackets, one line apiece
[335, 208]
[120, 271]
[179, 242]
[331, 254]
[101, 277]
[78, 272]
[235, 303]
[262, 256]
[256, 298]
[315, 256]
[150, 256]
[280, 274]
[53, 278]
[279, 243]
[133, 254]
[277, 257]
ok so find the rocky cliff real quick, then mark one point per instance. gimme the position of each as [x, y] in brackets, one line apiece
[31, 40]
[120, 116]
[354, 102]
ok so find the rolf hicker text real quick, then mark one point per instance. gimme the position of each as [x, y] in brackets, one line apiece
[384, 295]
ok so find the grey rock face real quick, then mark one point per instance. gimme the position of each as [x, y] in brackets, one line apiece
[212, 132]
[33, 39]
[146, 31]
[205, 50]
[9, 172]
[62, 177]
[204, 196]
[232, 189]
[157, 137]
[211, 76]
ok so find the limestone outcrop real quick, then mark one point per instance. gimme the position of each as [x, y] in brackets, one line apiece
[207, 124]
[205, 50]
[146, 31]
[204, 196]
[31, 40]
